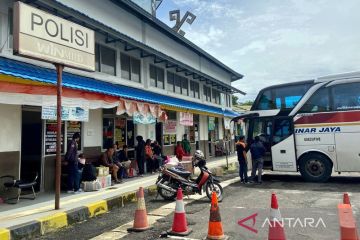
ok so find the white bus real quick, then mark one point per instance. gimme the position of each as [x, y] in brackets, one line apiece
[312, 127]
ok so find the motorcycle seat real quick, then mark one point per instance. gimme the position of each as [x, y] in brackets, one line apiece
[182, 173]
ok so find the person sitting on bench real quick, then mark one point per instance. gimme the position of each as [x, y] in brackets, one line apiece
[107, 161]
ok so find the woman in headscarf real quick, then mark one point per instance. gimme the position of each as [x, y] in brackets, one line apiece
[140, 154]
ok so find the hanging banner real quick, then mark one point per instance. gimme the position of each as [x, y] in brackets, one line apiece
[67, 113]
[227, 123]
[186, 119]
[170, 126]
[211, 123]
[141, 119]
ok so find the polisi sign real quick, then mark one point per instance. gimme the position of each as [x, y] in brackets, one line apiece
[43, 36]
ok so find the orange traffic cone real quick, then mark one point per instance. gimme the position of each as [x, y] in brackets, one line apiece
[276, 229]
[179, 227]
[346, 199]
[140, 219]
[215, 230]
[348, 230]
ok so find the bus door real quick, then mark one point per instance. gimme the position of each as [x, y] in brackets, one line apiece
[262, 127]
[283, 145]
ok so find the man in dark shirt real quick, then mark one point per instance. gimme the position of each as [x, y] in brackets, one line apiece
[122, 160]
[242, 159]
[257, 150]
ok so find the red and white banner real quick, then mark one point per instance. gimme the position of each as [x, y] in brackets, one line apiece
[170, 126]
[186, 119]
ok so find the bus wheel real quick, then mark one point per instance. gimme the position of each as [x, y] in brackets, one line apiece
[315, 167]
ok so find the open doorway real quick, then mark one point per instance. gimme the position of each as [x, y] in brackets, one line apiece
[159, 133]
[31, 144]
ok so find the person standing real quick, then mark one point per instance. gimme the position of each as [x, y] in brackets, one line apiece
[149, 156]
[140, 154]
[179, 151]
[242, 159]
[186, 145]
[71, 157]
[158, 154]
[257, 150]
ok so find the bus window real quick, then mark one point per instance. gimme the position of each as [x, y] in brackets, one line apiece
[319, 102]
[282, 129]
[281, 97]
[262, 127]
[265, 101]
[346, 96]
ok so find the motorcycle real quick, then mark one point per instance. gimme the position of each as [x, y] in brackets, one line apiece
[170, 179]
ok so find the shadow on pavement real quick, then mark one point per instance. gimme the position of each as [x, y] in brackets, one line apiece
[295, 182]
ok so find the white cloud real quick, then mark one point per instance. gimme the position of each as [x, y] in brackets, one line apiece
[276, 41]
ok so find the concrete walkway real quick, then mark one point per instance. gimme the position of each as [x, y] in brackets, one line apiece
[43, 207]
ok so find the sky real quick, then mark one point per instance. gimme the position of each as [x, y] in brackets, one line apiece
[274, 41]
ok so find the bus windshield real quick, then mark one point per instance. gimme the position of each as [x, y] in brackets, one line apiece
[281, 97]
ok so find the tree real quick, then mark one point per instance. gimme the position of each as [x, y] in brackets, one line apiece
[247, 103]
[235, 100]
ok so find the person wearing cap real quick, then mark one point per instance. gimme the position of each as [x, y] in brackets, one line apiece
[257, 150]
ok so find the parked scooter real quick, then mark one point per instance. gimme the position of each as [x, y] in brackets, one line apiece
[170, 179]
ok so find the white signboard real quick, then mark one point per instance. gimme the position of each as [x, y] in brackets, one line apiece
[40, 35]
[186, 119]
[67, 113]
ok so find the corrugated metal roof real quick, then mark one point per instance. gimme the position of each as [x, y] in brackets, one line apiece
[46, 75]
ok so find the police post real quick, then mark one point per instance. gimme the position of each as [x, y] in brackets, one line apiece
[45, 37]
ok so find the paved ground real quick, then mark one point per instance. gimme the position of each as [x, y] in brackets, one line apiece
[27, 210]
[297, 200]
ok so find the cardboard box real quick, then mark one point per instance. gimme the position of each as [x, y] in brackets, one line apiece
[188, 166]
[102, 171]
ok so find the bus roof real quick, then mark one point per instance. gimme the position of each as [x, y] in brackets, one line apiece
[340, 76]
[287, 84]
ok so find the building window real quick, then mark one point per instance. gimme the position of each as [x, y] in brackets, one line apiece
[215, 96]
[177, 84]
[228, 100]
[130, 68]
[105, 59]
[170, 81]
[184, 86]
[156, 77]
[194, 89]
[207, 93]
[10, 27]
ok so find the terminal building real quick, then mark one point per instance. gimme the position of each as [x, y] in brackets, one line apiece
[149, 81]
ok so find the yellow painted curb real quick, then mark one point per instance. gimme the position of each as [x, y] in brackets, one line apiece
[152, 190]
[53, 222]
[97, 208]
[4, 234]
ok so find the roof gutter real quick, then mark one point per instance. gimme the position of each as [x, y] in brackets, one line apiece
[159, 25]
